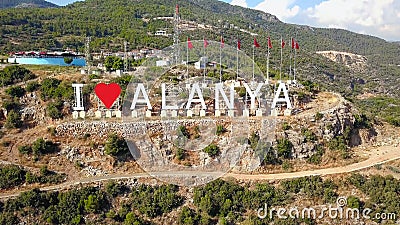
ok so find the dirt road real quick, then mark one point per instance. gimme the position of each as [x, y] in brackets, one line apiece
[377, 156]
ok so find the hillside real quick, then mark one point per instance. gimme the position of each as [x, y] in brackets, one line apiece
[110, 22]
[26, 4]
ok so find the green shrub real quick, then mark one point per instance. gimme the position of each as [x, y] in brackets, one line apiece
[212, 150]
[220, 129]
[32, 86]
[11, 105]
[153, 201]
[40, 146]
[93, 76]
[115, 146]
[316, 158]
[319, 116]
[26, 149]
[362, 122]
[309, 136]
[54, 110]
[180, 154]
[11, 176]
[13, 120]
[183, 132]
[68, 60]
[15, 74]
[286, 126]
[284, 148]
[15, 91]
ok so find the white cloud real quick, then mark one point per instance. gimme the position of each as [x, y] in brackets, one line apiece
[242, 3]
[283, 9]
[378, 18]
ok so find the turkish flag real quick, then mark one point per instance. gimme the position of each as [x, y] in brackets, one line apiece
[297, 45]
[269, 43]
[189, 44]
[238, 44]
[222, 42]
[205, 43]
[283, 43]
[256, 43]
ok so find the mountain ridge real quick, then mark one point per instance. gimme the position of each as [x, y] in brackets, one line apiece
[110, 21]
[26, 4]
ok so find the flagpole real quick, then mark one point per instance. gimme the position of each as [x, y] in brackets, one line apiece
[237, 60]
[205, 63]
[253, 59]
[268, 62]
[280, 69]
[294, 69]
[290, 60]
[187, 58]
[220, 61]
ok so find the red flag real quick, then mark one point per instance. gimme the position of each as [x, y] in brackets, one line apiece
[283, 43]
[293, 43]
[269, 43]
[256, 43]
[205, 43]
[238, 44]
[222, 42]
[189, 44]
[297, 45]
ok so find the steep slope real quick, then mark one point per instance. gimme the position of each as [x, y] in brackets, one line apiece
[26, 4]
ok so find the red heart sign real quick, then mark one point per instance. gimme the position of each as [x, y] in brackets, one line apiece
[107, 93]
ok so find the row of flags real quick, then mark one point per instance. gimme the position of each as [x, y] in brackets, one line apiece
[295, 44]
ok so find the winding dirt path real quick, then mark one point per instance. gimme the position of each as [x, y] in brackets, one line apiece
[378, 156]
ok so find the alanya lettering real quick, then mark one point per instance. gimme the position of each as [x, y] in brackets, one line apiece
[195, 96]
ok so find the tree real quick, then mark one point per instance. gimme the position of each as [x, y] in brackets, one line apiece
[187, 216]
[15, 74]
[40, 146]
[32, 86]
[92, 204]
[13, 120]
[212, 150]
[54, 110]
[284, 148]
[132, 219]
[25, 149]
[114, 189]
[113, 63]
[8, 219]
[118, 64]
[115, 145]
[11, 176]
[15, 91]
[68, 60]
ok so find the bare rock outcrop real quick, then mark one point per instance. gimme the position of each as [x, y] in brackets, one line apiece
[348, 59]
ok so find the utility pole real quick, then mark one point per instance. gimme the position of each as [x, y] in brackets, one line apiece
[87, 54]
[177, 19]
[126, 62]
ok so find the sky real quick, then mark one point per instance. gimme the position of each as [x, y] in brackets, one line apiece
[379, 18]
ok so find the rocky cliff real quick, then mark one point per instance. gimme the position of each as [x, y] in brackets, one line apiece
[348, 59]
